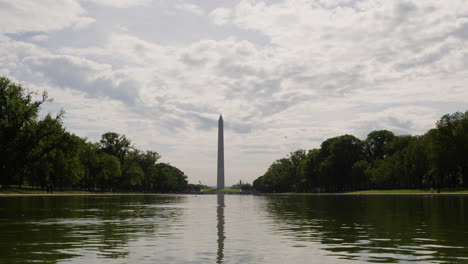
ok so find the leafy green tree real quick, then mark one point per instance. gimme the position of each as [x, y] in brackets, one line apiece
[263, 184]
[23, 139]
[461, 141]
[171, 179]
[447, 151]
[406, 167]
[147, 161]
[115, 144]
[64, 158]
[119, 146]
[196, 187]
[339, 155]
[40, 152]
[383, 172]
[383, 161]
[297, 157]
[415, 163]
[107, 171]
[132, 176]
[281, 173]
[374, 145]
[40, 144]
[88, 156]
[360, 179]
[244, 186]
[397, 143]
[308, 179]
[284, 175]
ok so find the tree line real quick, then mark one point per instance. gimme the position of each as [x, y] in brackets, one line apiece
[438, 159]
[40, 152]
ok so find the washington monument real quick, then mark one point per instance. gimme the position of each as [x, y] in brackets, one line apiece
[220, 185]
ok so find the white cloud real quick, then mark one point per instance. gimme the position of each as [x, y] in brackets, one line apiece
[39, 37]
[190, 8]
[402, 120]
[344, 35]
[120, 3]
[31, 16]
[97, 80]
[220, 16]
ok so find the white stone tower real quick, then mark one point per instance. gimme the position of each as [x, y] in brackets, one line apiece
[220, 185]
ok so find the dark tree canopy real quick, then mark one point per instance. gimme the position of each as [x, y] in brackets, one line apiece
[375, 144]
[115, 144]
[383, 161]
[40, 152]
[24, 139]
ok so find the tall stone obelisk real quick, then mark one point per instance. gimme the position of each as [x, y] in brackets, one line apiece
[220, 185]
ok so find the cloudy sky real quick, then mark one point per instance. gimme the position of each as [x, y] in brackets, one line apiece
[285, 74]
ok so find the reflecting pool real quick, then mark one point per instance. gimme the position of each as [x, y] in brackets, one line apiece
[234, 229]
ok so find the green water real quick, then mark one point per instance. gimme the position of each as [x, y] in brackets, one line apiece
[234, 229]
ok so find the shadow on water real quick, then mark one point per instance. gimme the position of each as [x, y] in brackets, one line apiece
[220, 226]
[384, 229]
[52, 229]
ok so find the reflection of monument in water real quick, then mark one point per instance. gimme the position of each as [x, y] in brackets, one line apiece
[221, 237]
[220, 196]
[220, 178]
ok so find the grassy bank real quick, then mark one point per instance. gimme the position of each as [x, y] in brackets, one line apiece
[32, 191]
[398, 191]
[232, 191]
[409, 191]
[27, 190]
[14, 191]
